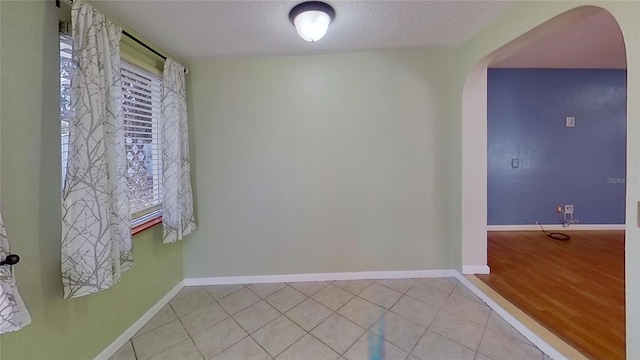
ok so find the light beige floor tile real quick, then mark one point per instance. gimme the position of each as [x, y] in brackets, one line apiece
[124, 353]
[187, 290]
[401, 285]
[285, 298]
[399, 331]
[431, 295]
[246, 349]
[482, 357]
[185, 350]
[191, 302]
[203, 318]
[470, 310]
[462, 331]
[435, 347]
[308, 314]
[256, 316]
[362, 312]
[415, 310]
[380, 295]
[441, 283]
[278, 335]
[158, 340]
[338, 332]
[164, 316]
[352, 286]
[371, 346]
[502, 347]
[498, 324]
[309, 288]
[308, 348]
[239, 300]
[333, 297]
[220, 291]
[264, 290]
[219, 337]
[461, 290]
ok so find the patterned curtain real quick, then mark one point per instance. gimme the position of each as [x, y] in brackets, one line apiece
[13, 314]
[96, 223]
[177, 202]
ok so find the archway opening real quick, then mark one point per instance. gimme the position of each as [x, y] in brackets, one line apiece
[585, 38]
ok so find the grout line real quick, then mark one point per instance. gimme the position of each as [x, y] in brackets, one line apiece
[196, 346]
[134, 349]
[484, 330]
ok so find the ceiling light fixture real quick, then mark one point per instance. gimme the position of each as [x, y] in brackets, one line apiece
[312, 19]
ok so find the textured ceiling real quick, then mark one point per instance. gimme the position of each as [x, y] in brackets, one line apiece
[193, 29]
[595, 42]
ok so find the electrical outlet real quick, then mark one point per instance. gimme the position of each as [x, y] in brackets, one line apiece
[570, 121]
[568, 209]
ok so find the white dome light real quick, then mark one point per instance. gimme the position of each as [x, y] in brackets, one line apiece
[311, 19]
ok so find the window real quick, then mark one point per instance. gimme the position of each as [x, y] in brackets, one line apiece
[141, 94]
[65, 97]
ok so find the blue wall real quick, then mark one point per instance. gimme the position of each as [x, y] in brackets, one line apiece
[583, 166]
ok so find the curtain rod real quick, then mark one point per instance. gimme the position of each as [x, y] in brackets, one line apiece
[143, 44]
[124, 32]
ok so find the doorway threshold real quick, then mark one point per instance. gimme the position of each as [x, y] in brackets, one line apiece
[560, 345]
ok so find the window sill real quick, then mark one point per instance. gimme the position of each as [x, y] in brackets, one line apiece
[147, 225]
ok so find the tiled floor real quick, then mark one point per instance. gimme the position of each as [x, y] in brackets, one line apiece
[435, 318]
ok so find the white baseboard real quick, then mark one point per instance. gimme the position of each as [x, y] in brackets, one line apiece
[530, 335]
[133, 329]
[556, 227]
[475, 269]
[257, 279]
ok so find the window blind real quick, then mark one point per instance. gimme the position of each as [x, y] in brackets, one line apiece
[141, 93]
[65, 97]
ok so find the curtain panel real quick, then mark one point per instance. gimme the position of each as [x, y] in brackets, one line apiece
[96, 222]
[13, 313]
[177, 203]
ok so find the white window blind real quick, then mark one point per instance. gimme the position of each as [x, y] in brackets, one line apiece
[65, 99]
[141, 94]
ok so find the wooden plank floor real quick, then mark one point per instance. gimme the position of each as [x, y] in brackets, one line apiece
[574, 288]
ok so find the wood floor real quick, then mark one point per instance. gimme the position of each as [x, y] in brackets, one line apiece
[574, 288]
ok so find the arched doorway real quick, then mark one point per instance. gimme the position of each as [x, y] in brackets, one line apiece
[474, 129]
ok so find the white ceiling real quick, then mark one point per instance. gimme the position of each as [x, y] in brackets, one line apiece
[594, 42]
[193, 29]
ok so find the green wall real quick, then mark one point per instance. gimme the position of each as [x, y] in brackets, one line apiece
[317, 164]
[30, 192]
